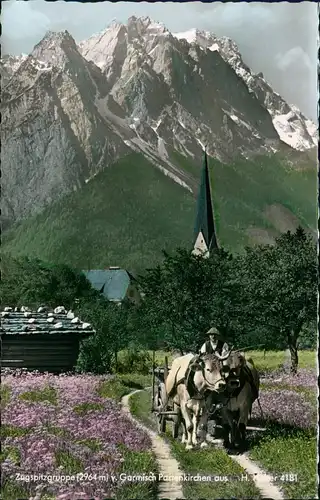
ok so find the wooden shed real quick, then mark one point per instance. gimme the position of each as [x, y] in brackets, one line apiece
[41, 340]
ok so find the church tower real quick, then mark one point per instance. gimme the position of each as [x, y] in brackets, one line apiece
[205, 234]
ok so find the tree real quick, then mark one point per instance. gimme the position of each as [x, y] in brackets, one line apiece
[99, 352]
[280, 288]
[67, 284]
[33, 283]
[24, 281]
[188, 294]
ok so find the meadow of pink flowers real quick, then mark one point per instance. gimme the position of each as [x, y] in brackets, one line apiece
[56, 427]
[40, 429]
[286, 399]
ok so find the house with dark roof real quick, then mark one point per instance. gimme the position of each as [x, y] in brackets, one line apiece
[115, 284]
[43, 340]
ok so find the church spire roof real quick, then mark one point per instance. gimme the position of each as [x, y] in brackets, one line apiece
[204, 234]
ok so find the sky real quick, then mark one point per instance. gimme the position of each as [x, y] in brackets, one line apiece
[279, 39]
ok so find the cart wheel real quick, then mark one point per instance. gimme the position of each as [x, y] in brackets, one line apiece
[157, 400]
[161, 424]
[176, 421]
[161, 395]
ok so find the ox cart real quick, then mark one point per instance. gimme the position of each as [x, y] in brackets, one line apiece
[163, 407]
[215, 408]
[167, 410]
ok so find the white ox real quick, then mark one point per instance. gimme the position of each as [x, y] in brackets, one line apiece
[189, 381]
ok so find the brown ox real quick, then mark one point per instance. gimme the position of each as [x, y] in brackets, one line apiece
[242, 390]
[189, 381]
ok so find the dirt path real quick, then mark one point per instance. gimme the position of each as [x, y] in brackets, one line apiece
[261, 479]
[168, 466]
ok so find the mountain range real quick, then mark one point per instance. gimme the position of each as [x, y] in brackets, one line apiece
[102, 144]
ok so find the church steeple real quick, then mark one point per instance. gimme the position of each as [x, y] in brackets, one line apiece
[205, 234]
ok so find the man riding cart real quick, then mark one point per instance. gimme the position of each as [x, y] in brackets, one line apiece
[215, 343]
[242, 387]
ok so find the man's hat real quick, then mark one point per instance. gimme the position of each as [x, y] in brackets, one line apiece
[215, 333]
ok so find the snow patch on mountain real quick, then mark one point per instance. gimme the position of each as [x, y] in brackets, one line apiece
[16, 61]
[294, 132]
[190, 36]
[201, 144]
[214, 47]
[41, 65]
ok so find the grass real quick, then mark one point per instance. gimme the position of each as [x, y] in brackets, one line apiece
[5, 395]
[7, 430]
[140, 407]
[11, 452]
[68, 463]
[135, 380]
[47, 394]
[282, 454]
[244, 189]
[283, 451]
[273, 360]
[160, 357]
[280, 451]
[13, 491]
[121, 385]
[213, 463]
[84, 408]
[138, 463]
[277, 450]
[10, 490]
[127, 214]
[93, 444]
[57, 431]
[264, 362]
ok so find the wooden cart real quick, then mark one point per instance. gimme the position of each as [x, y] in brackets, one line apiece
[164, 409]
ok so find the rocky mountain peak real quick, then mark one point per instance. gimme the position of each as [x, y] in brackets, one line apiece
[55, 47]
[70, 111]
[54, 40]
[142, 25]
[292, 126]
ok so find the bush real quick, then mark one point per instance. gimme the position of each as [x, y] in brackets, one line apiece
[133, 360]
[99, 352]
[308, 337]
[95, 356]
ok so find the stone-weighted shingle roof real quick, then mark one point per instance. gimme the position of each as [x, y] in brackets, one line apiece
[22, 321]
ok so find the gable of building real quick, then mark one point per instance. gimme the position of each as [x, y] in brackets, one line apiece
[115, 284]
